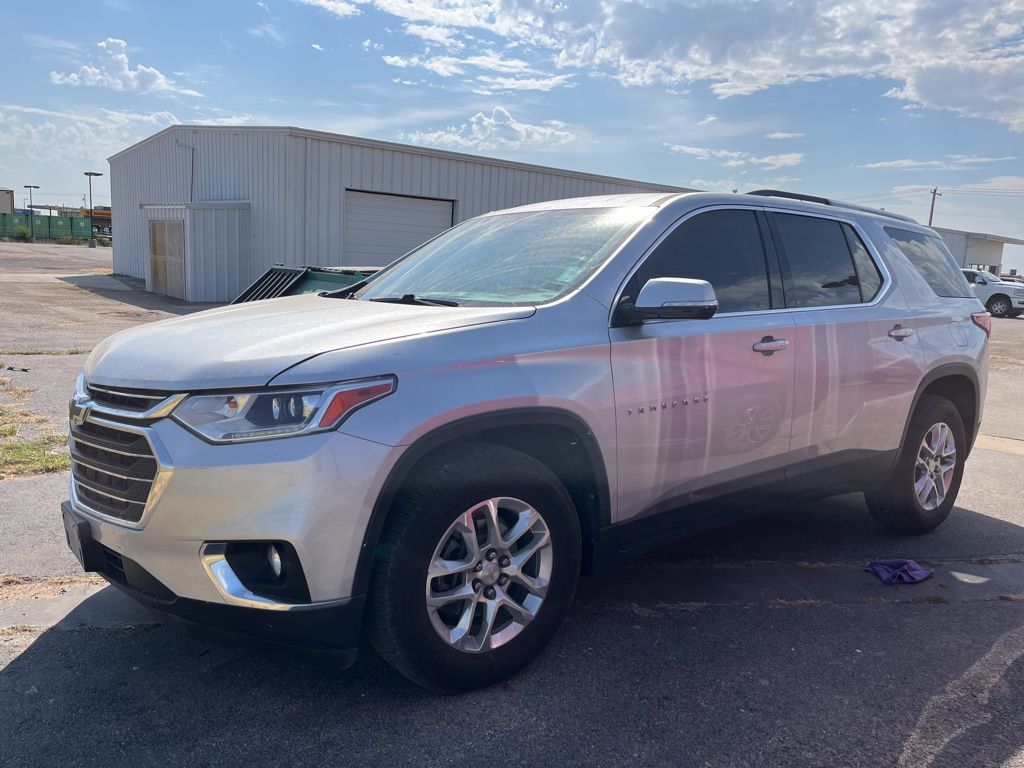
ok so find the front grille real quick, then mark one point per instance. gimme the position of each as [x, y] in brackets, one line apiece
[113, 469]
[128, 399]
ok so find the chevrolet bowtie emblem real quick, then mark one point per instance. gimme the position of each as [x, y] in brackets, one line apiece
[78, 412]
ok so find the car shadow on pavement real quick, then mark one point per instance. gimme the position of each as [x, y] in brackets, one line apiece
[129, 290]
[875, 680]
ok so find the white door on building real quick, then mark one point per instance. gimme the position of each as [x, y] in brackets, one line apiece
[380, 228]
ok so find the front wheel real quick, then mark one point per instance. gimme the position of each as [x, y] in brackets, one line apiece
[999, 306]
[477, 567]
[921, 490]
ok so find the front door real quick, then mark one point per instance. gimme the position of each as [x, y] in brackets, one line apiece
[699, 410]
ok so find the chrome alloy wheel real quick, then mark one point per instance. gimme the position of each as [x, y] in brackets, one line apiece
[933, 471]
[489, 574]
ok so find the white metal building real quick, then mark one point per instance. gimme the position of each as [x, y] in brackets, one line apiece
[976, 250]
[200, 212]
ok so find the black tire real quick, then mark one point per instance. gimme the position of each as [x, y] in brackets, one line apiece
[999, 306]
[894, 503]
[399, 625]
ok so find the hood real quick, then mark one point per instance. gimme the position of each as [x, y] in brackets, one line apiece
[247, 345]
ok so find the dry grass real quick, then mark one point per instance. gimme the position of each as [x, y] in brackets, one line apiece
[36, 456]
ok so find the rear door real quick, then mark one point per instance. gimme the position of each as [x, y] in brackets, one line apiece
[700, 412]
[857, 354]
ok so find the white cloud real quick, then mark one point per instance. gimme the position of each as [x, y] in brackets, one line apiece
[268, 31]
[84, 138]
[491, 84]
[963, 57]
[783, 135]
[732, 185]
[947, 163]
[317, 47]
[435, 35]
[113, 70]
[446, 66]
[731, 158]
[336, 7]
[708, 119]
[369, 45]
[499, 130]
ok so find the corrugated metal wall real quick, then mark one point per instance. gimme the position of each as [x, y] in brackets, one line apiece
[217, 259]
[295, 184]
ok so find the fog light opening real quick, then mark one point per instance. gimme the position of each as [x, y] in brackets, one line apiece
[273, 557]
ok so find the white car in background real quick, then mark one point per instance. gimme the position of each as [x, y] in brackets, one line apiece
[1002, 298]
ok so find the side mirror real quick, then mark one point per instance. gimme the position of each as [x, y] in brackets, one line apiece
[674, 298]
[980, 280]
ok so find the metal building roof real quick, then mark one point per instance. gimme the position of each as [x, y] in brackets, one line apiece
[981, 236]
[341, 138]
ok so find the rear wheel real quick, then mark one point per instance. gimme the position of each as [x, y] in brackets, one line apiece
[999, 306]
[478, 566]
[921, 490]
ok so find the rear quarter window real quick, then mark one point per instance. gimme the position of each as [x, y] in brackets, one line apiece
[933, 261]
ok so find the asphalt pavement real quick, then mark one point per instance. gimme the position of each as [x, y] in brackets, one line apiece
[762, 644]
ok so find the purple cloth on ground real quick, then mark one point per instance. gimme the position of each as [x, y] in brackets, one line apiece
[899, 571]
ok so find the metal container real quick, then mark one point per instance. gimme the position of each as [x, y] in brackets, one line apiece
[80, 228]
[60, 226]
[40, 226]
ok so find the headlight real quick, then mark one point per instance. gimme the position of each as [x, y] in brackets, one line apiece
[1019, 293]
[231, 417]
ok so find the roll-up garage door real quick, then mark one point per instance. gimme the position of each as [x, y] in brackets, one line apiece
[380, 228]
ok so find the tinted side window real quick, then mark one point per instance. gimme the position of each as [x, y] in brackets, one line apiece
[722, 247]
[821, 270]
[868, 276]
[933, 260]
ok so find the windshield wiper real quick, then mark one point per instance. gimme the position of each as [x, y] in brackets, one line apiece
[411, 298]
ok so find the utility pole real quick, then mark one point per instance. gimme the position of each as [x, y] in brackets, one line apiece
[931, 213]
[92, 235]
[31, 212]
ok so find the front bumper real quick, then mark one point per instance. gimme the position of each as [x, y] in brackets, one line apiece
[327, 632]
[315, 492]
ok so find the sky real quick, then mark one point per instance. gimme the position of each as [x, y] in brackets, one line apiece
[866, 101]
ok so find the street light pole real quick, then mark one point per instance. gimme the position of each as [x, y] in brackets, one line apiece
[92, 235]
[31, 213]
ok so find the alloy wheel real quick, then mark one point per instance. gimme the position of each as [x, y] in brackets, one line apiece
[936, 462]
[489, 574]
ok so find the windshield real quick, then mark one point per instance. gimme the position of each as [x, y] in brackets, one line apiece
[512, 258]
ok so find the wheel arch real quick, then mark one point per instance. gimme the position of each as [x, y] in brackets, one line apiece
[543, 433]
[958, 383]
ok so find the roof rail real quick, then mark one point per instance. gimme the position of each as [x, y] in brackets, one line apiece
[827, 201]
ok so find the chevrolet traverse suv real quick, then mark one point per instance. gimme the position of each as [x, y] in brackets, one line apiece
[433, 456]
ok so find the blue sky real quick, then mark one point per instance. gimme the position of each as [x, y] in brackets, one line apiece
[869, 101]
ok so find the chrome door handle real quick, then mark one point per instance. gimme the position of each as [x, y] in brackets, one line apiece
[769, 344]
[900, 333]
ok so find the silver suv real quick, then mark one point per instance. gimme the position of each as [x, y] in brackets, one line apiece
[434, 455]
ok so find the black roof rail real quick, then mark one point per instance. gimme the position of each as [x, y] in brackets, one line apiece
[827, 201]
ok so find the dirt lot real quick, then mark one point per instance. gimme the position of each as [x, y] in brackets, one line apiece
[761, 644]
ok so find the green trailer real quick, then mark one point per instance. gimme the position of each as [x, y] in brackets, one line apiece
[292, 280]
